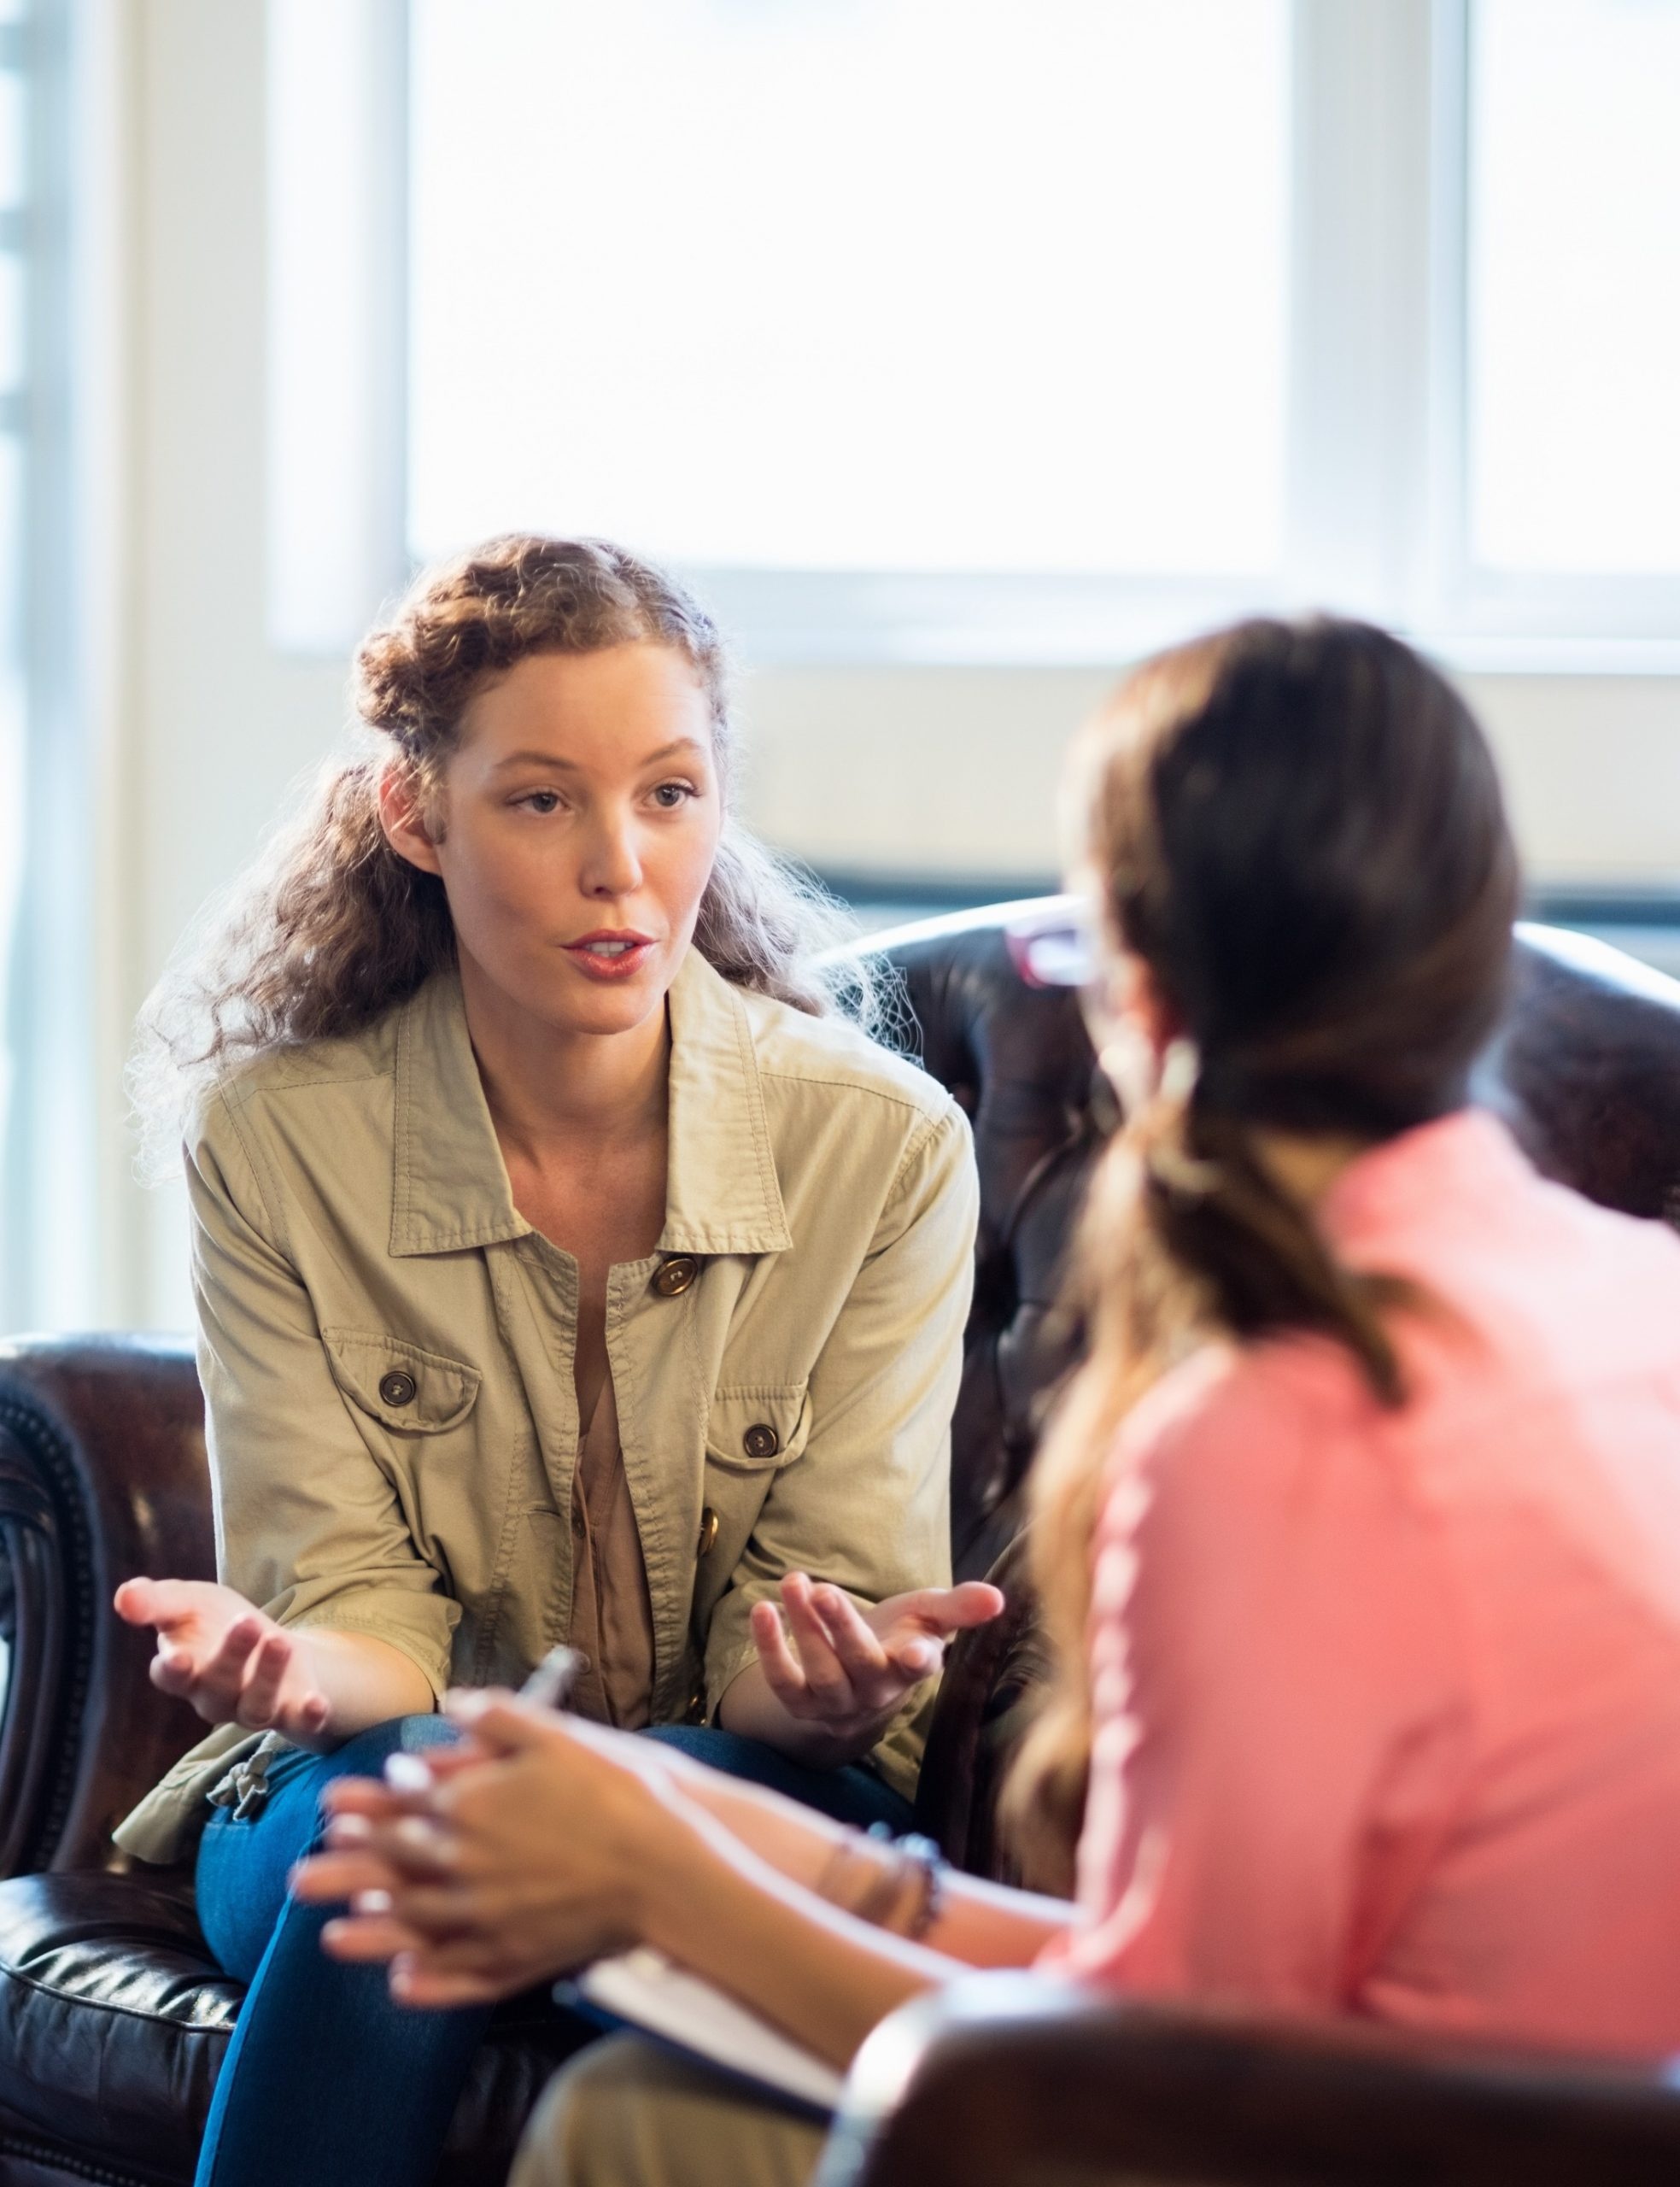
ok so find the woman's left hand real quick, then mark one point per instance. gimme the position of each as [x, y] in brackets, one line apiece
[846, 1671]
[508, 1870]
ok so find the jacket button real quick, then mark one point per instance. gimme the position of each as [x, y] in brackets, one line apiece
[761, 1441]
[398, 1388]
[708, 1540]
[672, 1277]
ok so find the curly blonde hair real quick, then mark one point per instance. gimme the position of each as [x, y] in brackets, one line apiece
[333, 928]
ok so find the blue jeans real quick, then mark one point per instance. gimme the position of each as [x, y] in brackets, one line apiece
[326, 2079]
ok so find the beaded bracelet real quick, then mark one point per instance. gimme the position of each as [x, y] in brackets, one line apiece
[914, 1860]
[921, 1855]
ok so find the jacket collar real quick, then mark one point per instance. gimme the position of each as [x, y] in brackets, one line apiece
[450, 1184]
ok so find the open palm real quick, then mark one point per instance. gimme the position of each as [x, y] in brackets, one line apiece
[232, 1664]
[828, 1662]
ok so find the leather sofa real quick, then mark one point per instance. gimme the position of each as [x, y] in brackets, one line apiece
[113, 2020]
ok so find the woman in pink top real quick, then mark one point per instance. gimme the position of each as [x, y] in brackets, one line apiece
[1358, 1535]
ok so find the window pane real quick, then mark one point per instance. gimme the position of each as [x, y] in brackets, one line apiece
[14, 142]
[12, 786]
[1575, 285]
[13, 329]
[911, 284]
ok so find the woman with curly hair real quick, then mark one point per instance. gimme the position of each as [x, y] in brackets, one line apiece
[568, 1270]
[1357, 1535]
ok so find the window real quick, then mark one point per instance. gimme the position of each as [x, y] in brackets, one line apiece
[13, 197]
[1574, 287]
[51, 1192]
[966, 330]
[872, 285]
[14, 349]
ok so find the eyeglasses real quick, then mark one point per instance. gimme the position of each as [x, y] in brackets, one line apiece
[1055, 945]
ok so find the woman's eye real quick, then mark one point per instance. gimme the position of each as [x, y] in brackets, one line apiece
[540, 800]
[670, 795]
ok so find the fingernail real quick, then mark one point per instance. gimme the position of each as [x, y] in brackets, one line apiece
[371, 1902]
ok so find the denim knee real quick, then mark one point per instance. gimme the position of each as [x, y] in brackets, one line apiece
[367, 1753]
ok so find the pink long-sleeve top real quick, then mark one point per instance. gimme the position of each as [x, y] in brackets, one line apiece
[1387, 1703]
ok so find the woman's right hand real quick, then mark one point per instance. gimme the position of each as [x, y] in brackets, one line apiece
[233, 1664]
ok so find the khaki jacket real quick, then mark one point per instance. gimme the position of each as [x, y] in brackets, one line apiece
[386, 1350]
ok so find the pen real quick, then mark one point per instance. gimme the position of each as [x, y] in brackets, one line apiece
[547, 1686]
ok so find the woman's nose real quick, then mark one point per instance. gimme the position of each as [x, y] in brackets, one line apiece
[611, 866]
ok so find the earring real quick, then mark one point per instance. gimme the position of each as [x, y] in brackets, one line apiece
[1180, 1068]
[1127, 1062]
[1140, 1077]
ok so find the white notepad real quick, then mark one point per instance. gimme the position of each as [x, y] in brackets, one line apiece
[643, 1987]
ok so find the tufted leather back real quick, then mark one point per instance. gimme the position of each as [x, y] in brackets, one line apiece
[1018, 1061]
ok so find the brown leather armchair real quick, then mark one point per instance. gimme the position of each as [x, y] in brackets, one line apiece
[1059, 2089]
[113, 2021]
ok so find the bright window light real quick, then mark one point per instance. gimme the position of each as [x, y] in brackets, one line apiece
[334, 319]
[913, 285]
[1574, 286]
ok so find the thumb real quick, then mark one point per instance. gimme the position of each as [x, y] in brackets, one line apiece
[161, 1603]
[934, 1615]
[976, 1602]
[950, 1609]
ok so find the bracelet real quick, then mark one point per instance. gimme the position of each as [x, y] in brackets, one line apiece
[905, 1885]
[921, 1857]
[881, 1878]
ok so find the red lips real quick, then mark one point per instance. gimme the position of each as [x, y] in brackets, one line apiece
[610, 953]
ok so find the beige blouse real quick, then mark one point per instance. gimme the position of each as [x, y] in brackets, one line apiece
[611, 1616]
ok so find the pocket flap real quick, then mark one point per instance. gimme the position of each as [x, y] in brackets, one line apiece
[401, 1385]
[754, 1428]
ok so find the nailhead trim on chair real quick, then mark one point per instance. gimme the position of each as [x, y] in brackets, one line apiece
[42, 1445]
[63, 2161]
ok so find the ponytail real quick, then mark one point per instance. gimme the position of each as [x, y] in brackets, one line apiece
[1300, 837]
[1217, 1211]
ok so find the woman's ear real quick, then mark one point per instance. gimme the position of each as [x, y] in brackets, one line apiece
[1154, 1018]
[402, 816]
[1134, 1030]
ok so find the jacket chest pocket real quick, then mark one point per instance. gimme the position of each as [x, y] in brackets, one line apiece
[752, 1435]
[758, 1430]
[405, 1388]
[424, 1402]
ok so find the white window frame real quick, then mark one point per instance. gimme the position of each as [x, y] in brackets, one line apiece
[1375, 466]
[1497, 618]
[64, 1249]
[48, 1185]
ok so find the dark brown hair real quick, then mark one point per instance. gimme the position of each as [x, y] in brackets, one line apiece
[1298, 828]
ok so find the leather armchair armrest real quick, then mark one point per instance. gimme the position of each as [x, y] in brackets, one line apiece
[986, 1695]
[102, 1474]
[1017, 2079]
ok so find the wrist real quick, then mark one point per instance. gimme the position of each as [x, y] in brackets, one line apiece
[891, 1883]
[827, 1744]
[665, 1874]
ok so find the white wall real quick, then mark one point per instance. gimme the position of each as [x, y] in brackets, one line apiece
[902, 768]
